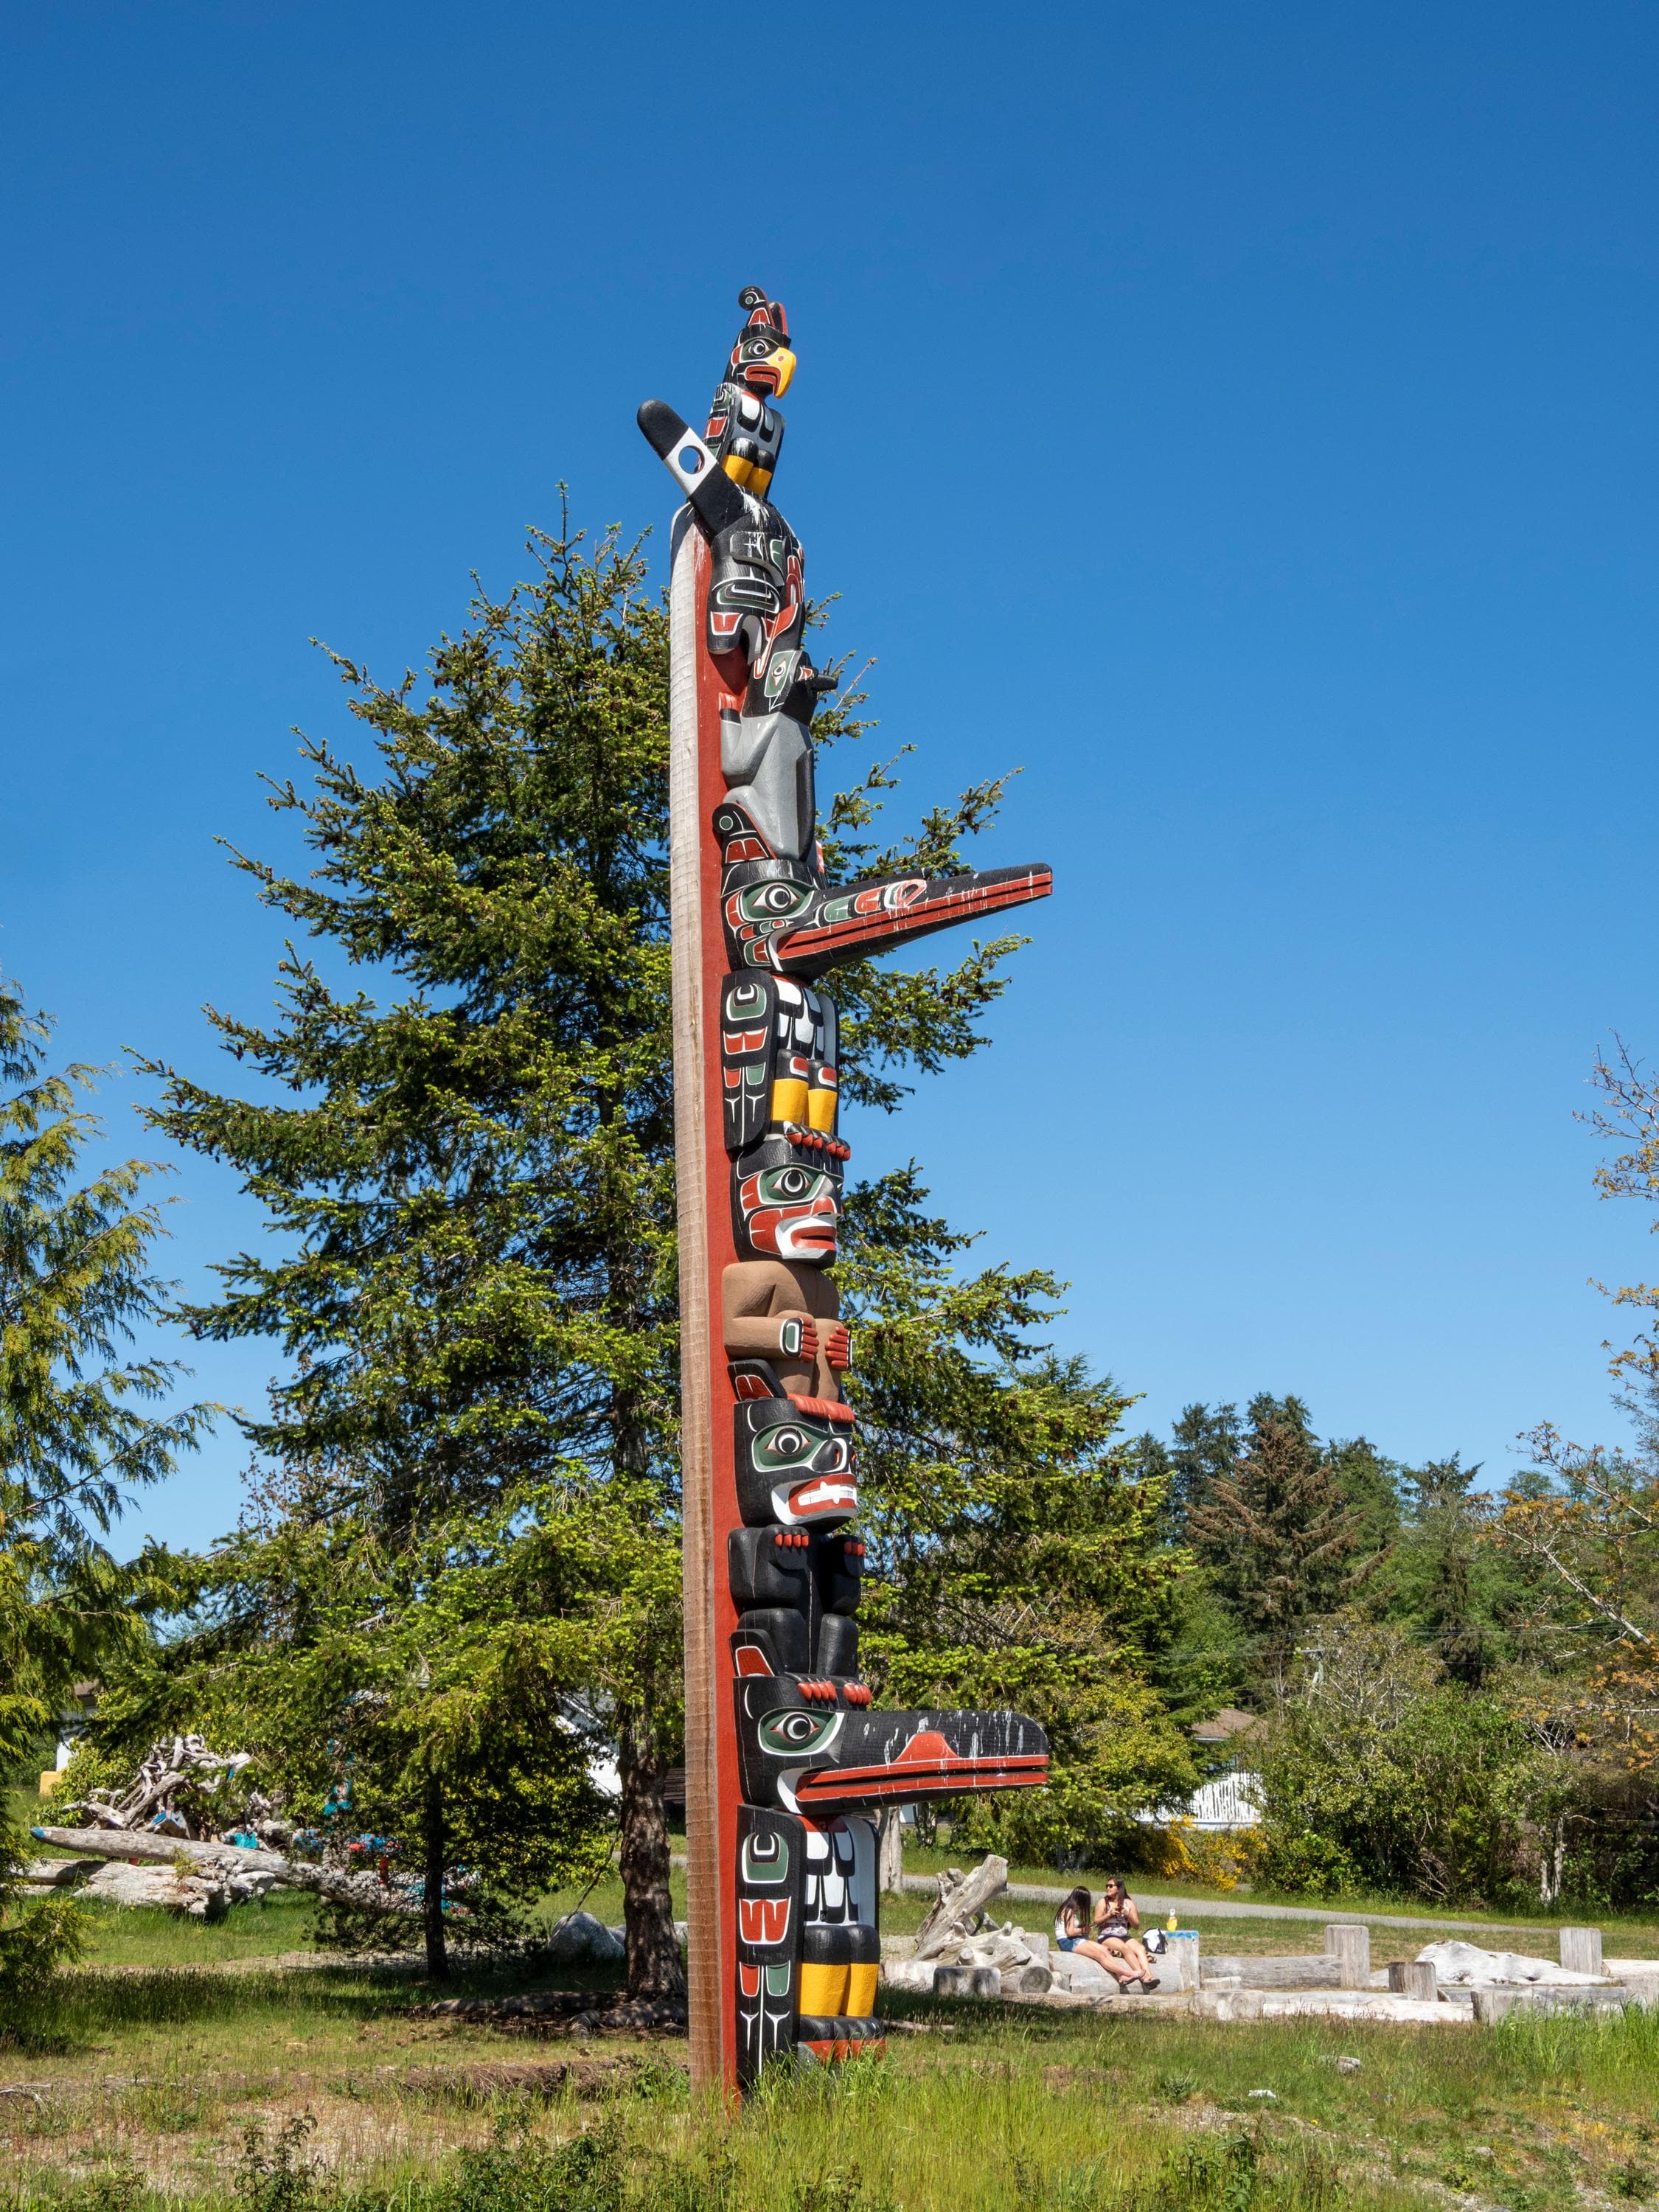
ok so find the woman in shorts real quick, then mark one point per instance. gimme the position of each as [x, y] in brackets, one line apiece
[1072, 1934]
[1116, 1918]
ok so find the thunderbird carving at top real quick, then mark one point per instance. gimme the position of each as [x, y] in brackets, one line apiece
[780, 914]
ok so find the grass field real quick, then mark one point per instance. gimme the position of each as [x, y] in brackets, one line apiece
[209, 2066]
[138, 2089]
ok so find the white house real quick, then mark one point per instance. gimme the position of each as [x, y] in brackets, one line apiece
[1227, 1800]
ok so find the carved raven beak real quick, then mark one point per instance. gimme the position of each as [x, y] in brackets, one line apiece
[775, 372]
[1000, 1751]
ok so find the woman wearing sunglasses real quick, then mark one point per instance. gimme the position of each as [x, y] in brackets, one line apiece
[1116, 1919]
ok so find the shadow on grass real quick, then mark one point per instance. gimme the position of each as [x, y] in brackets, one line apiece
[81, 2007]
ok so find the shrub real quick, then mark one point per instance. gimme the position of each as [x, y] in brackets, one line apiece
[35, 1938]
[1297, 1859]
[1381, 1773]
[1182, 1853]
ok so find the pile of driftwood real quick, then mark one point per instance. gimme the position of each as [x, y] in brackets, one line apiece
[995, 1958]
[167, 1794]
[204, 1879]
[152, 1852]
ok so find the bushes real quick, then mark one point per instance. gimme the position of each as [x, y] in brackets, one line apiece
[35, 1938]
[1182, 1853]
[1312, 1865]
[1381, 1773]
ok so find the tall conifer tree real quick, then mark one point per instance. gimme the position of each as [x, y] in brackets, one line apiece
[76, 1436]
[467, 1161]
[1278, 1534]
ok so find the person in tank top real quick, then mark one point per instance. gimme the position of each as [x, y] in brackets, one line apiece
[1116, 1921]
[1072, 1934]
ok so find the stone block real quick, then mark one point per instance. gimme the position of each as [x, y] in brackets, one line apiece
[1581, 1950]
[1413, 1977]
[1349, 1942]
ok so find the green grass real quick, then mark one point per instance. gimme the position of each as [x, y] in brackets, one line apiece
[150, 1936]
[143, 2076]
[158, 2077]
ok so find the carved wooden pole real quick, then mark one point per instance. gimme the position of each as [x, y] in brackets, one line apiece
[786, 1760]
[705, 1242]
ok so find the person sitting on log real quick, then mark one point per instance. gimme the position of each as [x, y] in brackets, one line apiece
[1116, 1918]
[1072, 1934]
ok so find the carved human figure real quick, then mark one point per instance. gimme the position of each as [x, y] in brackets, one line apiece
[788, 1316]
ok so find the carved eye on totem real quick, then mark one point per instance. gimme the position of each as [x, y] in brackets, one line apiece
[772, 902]
[787, 1446]
[787, 1735]
[788, 1185]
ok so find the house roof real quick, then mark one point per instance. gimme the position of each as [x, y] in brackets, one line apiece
[1231, 1721]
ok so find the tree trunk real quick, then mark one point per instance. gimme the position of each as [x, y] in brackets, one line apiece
[431, 1909]
[654, 1956]
[1552, 1858]
[889, 1853]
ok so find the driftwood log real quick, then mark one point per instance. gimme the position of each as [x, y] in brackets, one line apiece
[1317, 1970]
[164, 1769]
[954, 1919]
[227, 1872]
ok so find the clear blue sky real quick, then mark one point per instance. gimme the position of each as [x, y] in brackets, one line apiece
[1240, 417]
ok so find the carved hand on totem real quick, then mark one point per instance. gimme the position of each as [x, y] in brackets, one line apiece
[799, 1336]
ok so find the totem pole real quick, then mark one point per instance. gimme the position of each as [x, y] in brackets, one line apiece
[786, 1758]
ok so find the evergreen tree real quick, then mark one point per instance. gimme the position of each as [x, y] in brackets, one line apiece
[1202, 1445]
[1449, 1579]
[1370, 1484]
[1279, 1538]
[472, 1182]
[436, 1691]
[1013, 1548]
[75, 1286]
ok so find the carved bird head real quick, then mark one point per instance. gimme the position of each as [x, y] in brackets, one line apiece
[760, 358]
